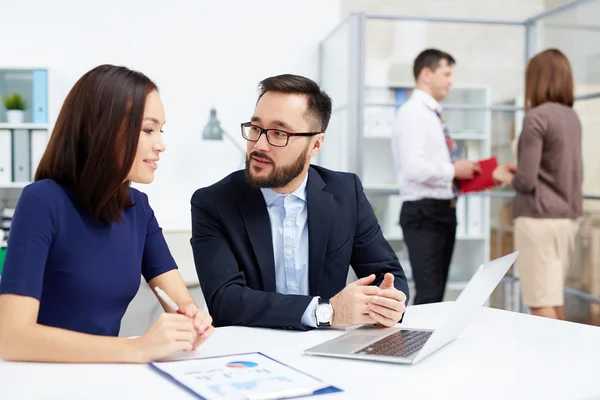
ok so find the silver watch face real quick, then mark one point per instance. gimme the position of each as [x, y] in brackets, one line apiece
[324, 313]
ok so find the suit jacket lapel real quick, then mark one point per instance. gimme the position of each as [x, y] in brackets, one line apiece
[256, 219]
[319, 205]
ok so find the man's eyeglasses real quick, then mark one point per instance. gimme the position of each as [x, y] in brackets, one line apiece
[275, 137]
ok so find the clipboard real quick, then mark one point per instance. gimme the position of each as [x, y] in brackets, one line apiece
[246, 376]
[482, 180]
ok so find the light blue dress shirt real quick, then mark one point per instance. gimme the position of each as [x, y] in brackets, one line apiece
[289, 230]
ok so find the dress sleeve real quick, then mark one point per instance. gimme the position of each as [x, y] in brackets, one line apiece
[157, 258]
[31, 235]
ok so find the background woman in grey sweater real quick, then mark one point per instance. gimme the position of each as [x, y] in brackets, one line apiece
[548, 183]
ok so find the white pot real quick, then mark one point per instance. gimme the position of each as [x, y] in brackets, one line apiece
[15, 116]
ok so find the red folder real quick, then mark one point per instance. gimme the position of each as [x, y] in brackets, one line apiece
[482, 180]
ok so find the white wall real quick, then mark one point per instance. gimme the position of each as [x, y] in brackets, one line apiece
[200, 53]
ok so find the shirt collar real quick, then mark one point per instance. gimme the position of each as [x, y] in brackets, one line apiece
[427, 99]
[270, 195]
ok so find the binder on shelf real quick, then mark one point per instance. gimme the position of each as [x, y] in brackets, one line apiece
[475, 218]
[394, 205]
[5, 157]
[39, 141]
[461, 217]
[21, 151]
[401, 96]
[39, 106]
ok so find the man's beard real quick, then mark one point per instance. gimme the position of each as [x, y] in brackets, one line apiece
[279, 176]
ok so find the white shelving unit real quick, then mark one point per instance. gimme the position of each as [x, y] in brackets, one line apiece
[21, 144]
[28, 126]
[14, 185]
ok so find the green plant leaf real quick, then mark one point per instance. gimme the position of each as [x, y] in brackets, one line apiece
[14, 101]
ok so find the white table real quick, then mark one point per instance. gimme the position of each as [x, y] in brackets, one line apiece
[501, 355]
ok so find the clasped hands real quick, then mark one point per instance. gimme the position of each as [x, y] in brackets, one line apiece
[361, 303]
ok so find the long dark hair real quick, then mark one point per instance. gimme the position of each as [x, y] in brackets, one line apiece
[94, 141]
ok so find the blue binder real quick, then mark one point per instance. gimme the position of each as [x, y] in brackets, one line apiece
[401, 97]
[39, 106]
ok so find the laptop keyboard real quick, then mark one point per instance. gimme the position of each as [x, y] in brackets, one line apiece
[402, 343]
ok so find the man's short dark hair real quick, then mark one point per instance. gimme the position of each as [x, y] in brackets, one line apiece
[431, 58]
[319, 102]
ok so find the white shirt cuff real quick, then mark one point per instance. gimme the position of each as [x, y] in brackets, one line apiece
[308, 318]
[448, 171]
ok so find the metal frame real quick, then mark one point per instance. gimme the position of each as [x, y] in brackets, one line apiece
[358, 53]
[356, 94]
[555, 10]
[446, 19]
[502, 108]
[530, 39]
[587, 96]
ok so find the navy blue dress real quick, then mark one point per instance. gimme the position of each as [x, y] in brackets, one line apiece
[83, 273]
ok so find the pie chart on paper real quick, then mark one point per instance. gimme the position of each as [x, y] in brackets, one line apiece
[242, 364]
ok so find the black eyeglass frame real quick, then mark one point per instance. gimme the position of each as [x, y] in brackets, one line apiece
[265, 131]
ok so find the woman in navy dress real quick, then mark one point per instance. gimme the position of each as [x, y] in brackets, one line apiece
[81, 237]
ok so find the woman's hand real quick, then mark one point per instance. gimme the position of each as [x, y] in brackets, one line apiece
[202, 323]
[169, 334]
[503, 174]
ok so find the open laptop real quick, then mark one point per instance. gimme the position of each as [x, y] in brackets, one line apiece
[409, 346]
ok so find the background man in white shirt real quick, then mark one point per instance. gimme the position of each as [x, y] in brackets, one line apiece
[426, 169]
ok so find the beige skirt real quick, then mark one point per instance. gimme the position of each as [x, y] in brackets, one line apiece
[545, 247]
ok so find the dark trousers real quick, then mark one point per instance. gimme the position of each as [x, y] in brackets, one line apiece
[429, 228]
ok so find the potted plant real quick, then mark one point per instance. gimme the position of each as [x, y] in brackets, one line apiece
[15, 108]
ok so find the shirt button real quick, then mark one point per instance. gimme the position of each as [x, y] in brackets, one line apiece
[288, 223]
[289, 252]
[292, 284]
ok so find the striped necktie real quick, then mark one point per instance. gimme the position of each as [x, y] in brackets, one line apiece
[452, 149]
[449, 142]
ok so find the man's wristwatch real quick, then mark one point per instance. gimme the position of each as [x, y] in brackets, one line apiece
[324, 313]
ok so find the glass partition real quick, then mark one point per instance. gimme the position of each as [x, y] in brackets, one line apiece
[366, 65]
[488, 75]
[339, 69]
[576, 32]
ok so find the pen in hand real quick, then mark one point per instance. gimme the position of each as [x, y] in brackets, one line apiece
[169, 301]
[201, 330]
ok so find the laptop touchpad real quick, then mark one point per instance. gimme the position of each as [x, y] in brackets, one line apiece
[357, 339]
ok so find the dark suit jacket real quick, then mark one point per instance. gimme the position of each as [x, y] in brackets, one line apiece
[233, 248]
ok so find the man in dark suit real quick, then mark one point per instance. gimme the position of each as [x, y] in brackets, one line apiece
[272, 244]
